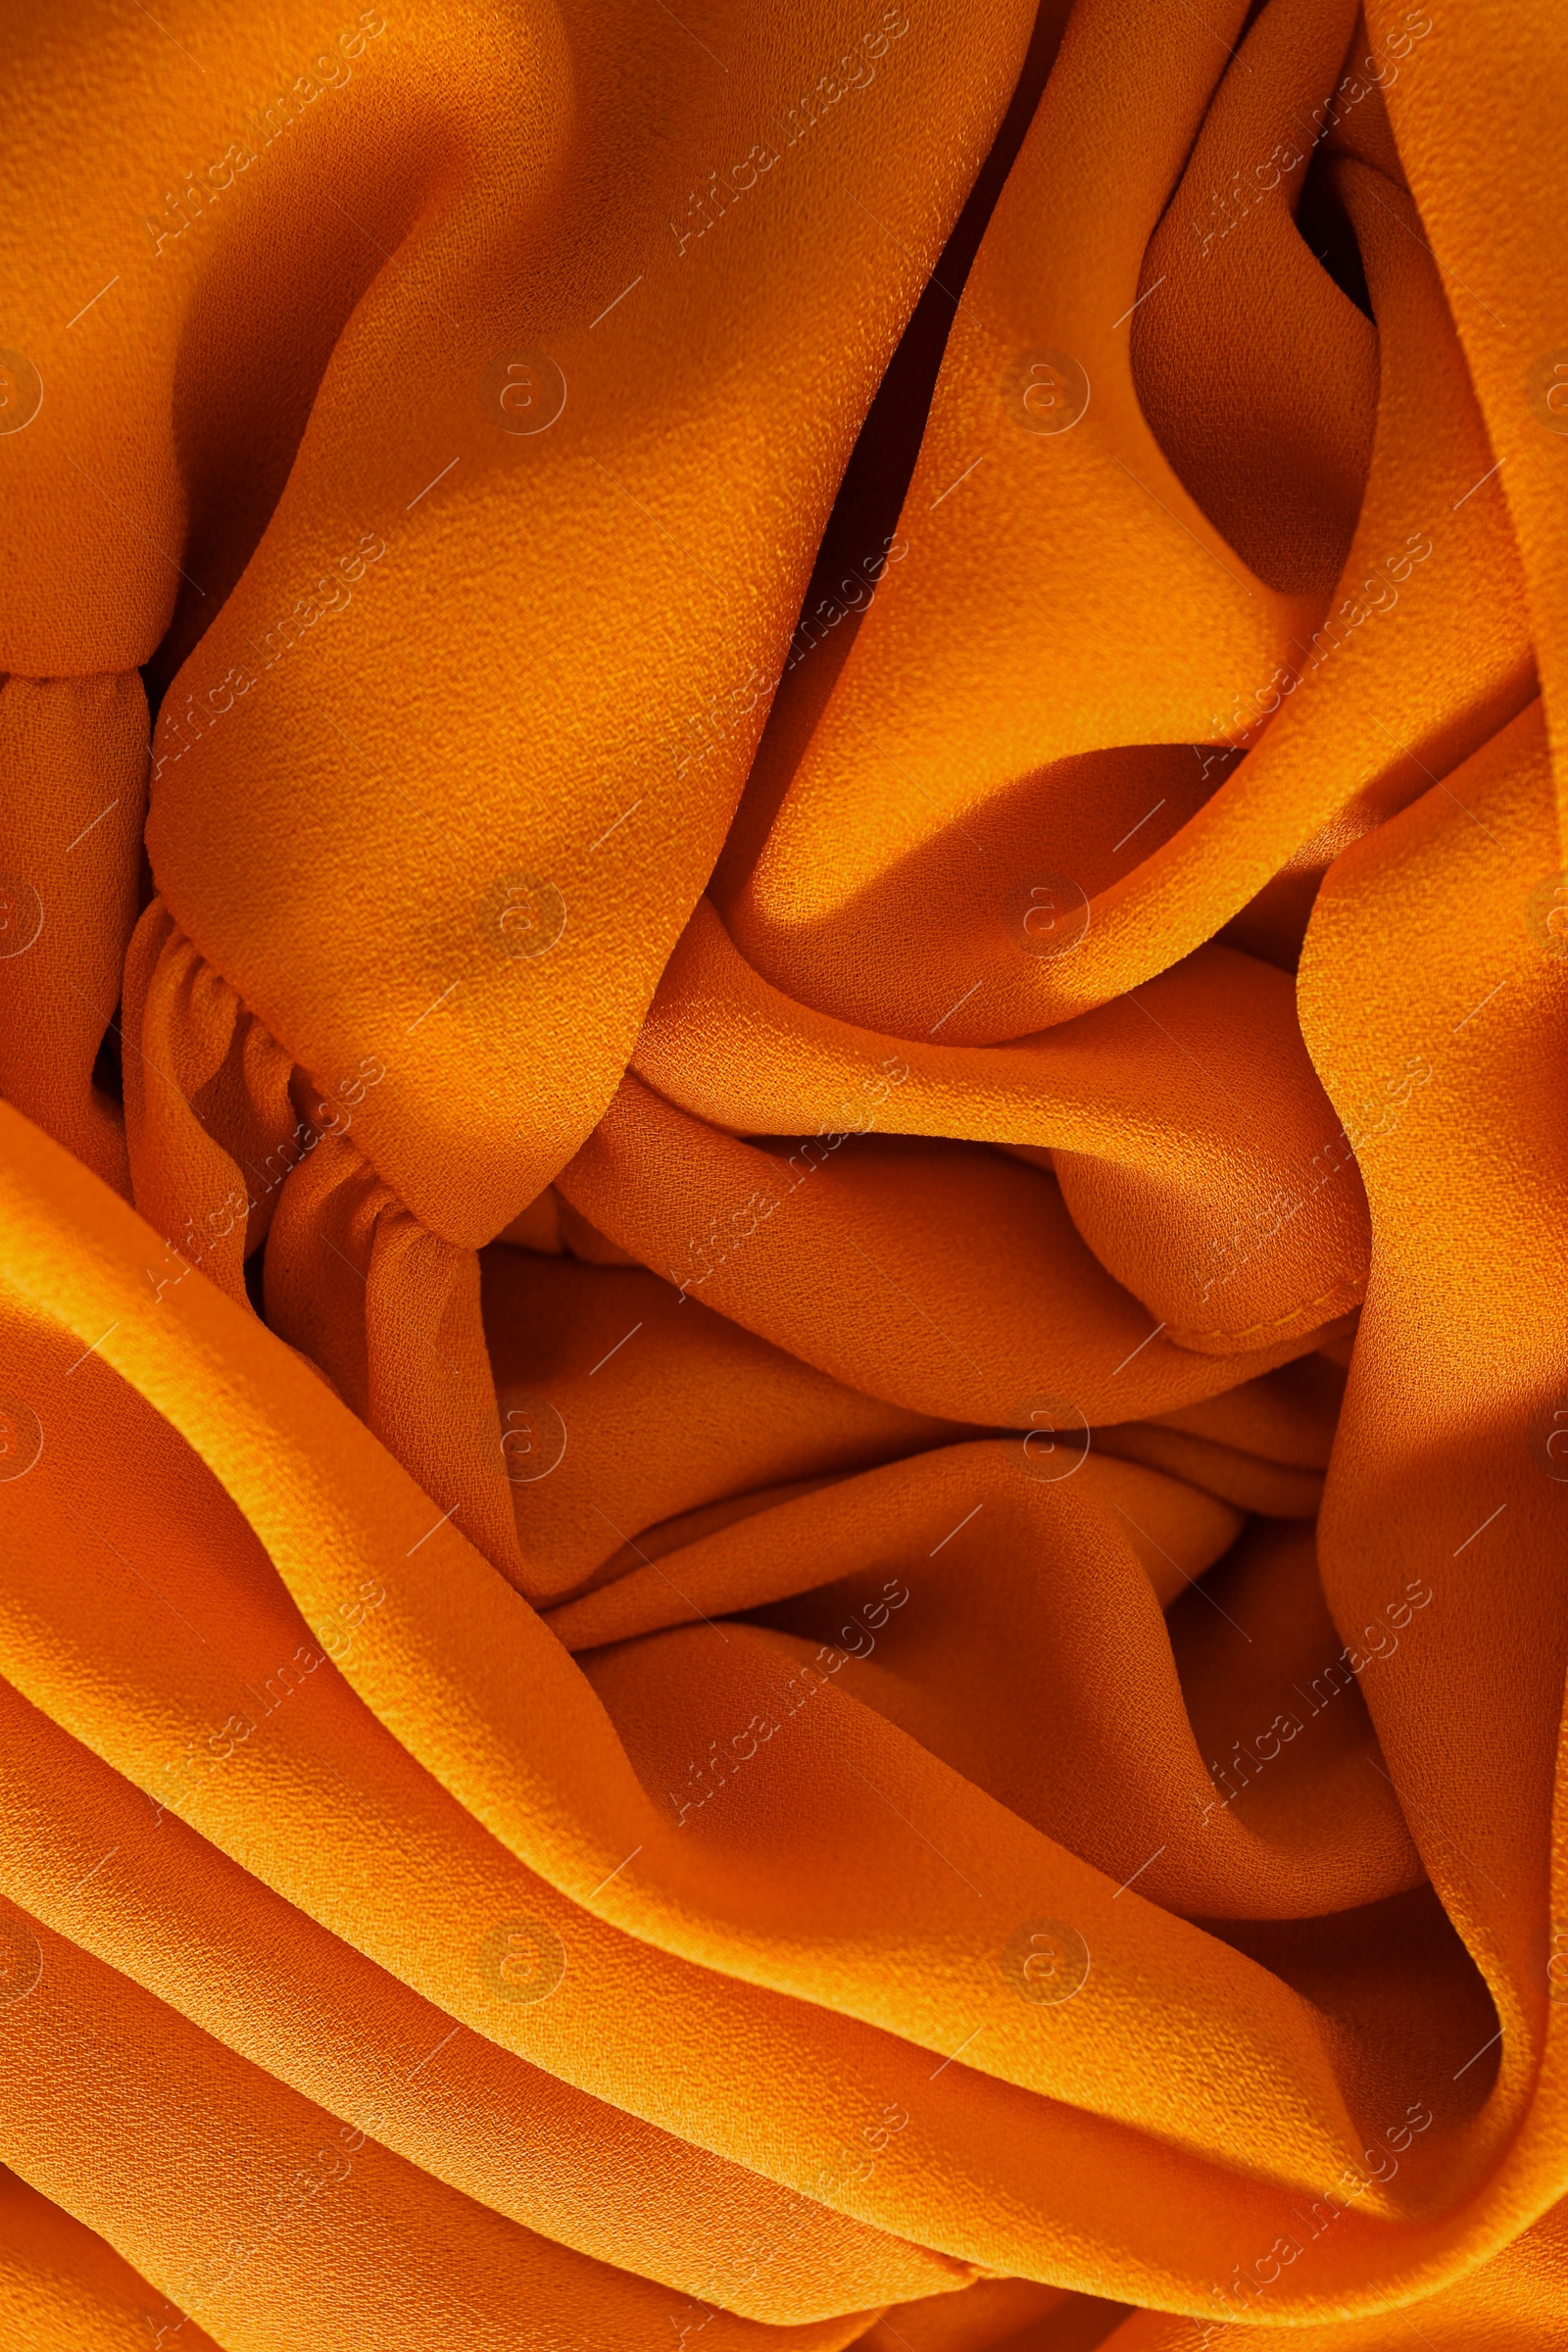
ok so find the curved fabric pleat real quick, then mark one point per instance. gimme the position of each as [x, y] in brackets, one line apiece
[783, 977]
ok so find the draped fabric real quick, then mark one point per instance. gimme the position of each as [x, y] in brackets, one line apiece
[783, 1408]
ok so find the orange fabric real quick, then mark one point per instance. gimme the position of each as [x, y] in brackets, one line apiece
[783, 1456]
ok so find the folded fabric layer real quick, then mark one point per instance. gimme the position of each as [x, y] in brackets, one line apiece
[782, 963]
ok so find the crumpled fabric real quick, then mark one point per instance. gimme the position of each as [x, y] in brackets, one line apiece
[783, 1421]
